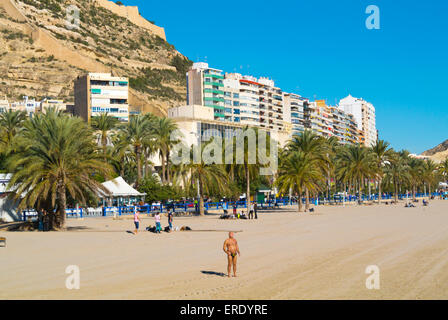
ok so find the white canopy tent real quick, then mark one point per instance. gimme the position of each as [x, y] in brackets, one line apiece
[119, 192]
[8, 208]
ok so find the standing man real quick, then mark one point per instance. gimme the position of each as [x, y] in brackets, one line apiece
[251, 211]
[136, 220]
[170, 220]
[255, 210]
[231, 248]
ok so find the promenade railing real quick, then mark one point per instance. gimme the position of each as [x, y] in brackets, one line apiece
[192, 207]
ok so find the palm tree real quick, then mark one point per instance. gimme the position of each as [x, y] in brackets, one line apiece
[164, 136]
[56, 156]
[10, 125]
[314, 147]
[206, 177]
[429, 170]
[332, 147]
[298, 172]
[381, 152]
[396, 171]
[136, 132]
[247, 160]
[357, 164]
[443, 169]
[415, 170]
[104, 123]
[121, 155]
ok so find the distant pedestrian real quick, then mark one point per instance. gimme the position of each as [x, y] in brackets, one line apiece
[170, 220]
[157, 219]
[255, 210]
[251, 211]
[234, 211]
[40, 218]
[136, 220]
[46, 220]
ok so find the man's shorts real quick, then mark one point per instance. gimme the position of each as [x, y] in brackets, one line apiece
[136, 224]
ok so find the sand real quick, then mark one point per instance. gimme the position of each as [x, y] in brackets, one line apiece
[285, 255]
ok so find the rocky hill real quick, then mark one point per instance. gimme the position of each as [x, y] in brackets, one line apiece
[439, 152]
[44, 46]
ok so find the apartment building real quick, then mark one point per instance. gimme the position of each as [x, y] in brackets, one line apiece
[344, 126]
[205, 88]
[331, 121]
[294, 112]
[320, 118]
[364, 115]
[237, 98]
[242, 100]
[198, 122]
[97, 93]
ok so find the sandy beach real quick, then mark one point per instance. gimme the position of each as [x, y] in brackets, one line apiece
[284, 255]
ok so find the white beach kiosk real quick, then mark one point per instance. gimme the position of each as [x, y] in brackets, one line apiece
[8, 208]
[120, 193]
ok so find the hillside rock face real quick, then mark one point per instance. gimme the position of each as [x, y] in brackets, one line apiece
[45, 45]
[440, 148]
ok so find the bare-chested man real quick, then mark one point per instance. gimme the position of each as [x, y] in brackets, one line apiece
[231, 249]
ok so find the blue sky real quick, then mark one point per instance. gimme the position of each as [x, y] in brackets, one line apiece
[322, 49]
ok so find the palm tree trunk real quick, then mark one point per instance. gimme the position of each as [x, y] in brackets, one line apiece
[139, 169]
[247, 189]
[168, 167]
[62, 199]
[201, 200]
[299, 202]
[359, 190]
[104, 143]
[379, 190]
[396, 192]
[307, 200]
[163, 168]
[413, 192]
[145, 165]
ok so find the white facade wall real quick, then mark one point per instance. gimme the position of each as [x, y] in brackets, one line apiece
[364, 115]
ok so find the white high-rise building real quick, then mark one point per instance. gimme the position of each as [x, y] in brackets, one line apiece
[364, 114]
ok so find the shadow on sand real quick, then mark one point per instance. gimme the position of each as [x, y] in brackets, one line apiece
[214, 273]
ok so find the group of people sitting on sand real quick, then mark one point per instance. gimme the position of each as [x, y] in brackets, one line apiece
[241, 215]
[411, 205]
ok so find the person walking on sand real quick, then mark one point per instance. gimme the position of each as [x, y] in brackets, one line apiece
[255, 210]
[158, 226]
[136, 220]
[170, 220]
[251, 211]
[231, 248]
